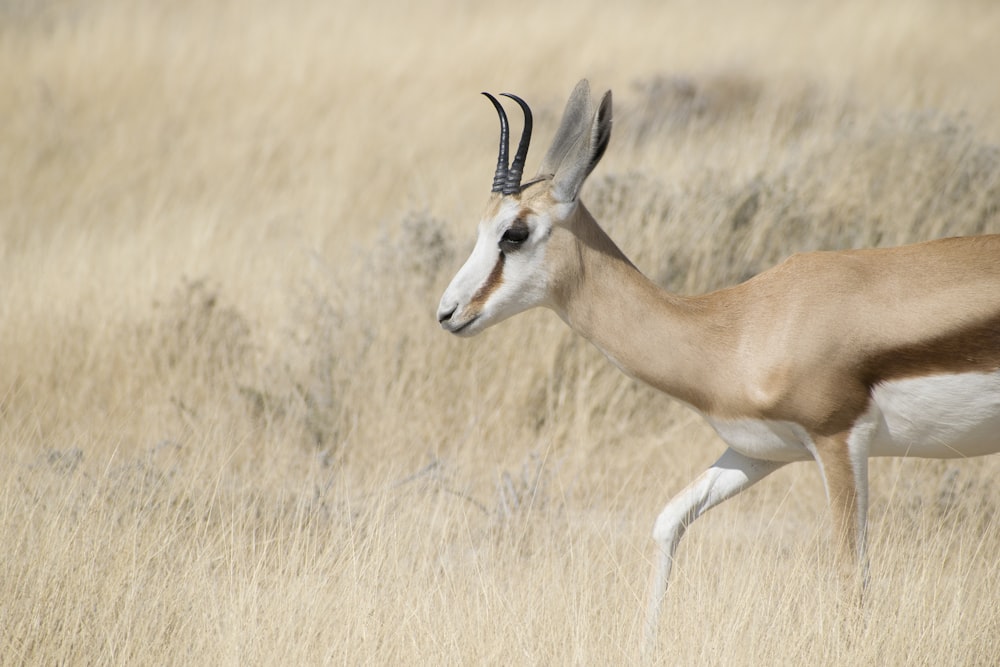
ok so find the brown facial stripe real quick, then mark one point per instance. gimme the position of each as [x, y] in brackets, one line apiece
[973, 348]
[493, 281]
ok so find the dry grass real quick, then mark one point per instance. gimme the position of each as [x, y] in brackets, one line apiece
[232, 433]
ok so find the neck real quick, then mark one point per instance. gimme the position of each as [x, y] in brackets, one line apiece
[660, 338]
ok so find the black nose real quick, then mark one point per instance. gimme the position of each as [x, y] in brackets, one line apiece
[444, 316]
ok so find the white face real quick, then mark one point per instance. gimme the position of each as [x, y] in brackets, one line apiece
[504, 275]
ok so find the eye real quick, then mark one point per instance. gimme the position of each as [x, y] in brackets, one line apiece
[515, 235]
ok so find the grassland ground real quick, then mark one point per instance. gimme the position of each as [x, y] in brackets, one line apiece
[231, 431]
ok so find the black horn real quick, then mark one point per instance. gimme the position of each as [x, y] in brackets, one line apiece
[513, 184]
[500, 177]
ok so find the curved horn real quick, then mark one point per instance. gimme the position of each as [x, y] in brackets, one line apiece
[500, 177]
[513, 184]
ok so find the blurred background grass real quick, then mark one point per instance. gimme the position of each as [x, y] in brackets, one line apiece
[232, 432]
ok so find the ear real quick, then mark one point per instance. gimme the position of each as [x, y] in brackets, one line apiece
[575, 120]
[579, 143]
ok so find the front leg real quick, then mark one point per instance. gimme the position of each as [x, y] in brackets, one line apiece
[843, 461]
[732, 473]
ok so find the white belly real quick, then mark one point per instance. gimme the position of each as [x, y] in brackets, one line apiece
[938, 416]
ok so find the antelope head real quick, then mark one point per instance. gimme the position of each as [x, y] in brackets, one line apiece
[527, 234]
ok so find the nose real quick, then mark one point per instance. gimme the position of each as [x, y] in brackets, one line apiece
[445, 312]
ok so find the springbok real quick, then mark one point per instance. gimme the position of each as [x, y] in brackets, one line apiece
[830, 356]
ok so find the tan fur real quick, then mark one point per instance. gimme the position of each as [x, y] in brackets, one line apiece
[805, 341]
[842, 490]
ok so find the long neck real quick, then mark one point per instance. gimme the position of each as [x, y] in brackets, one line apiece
[675, 344]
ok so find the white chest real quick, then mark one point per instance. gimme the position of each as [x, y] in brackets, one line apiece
[765, 439]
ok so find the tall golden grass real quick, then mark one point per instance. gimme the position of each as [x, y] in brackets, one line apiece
[231, 431]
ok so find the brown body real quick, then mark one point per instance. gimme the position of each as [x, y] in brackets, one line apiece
[805, 341]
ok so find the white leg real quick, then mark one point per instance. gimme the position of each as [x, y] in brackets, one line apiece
[732, 473]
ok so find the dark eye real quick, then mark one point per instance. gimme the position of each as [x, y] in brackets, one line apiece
[515, 235]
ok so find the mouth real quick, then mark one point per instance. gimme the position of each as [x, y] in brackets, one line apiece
[457, 330]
